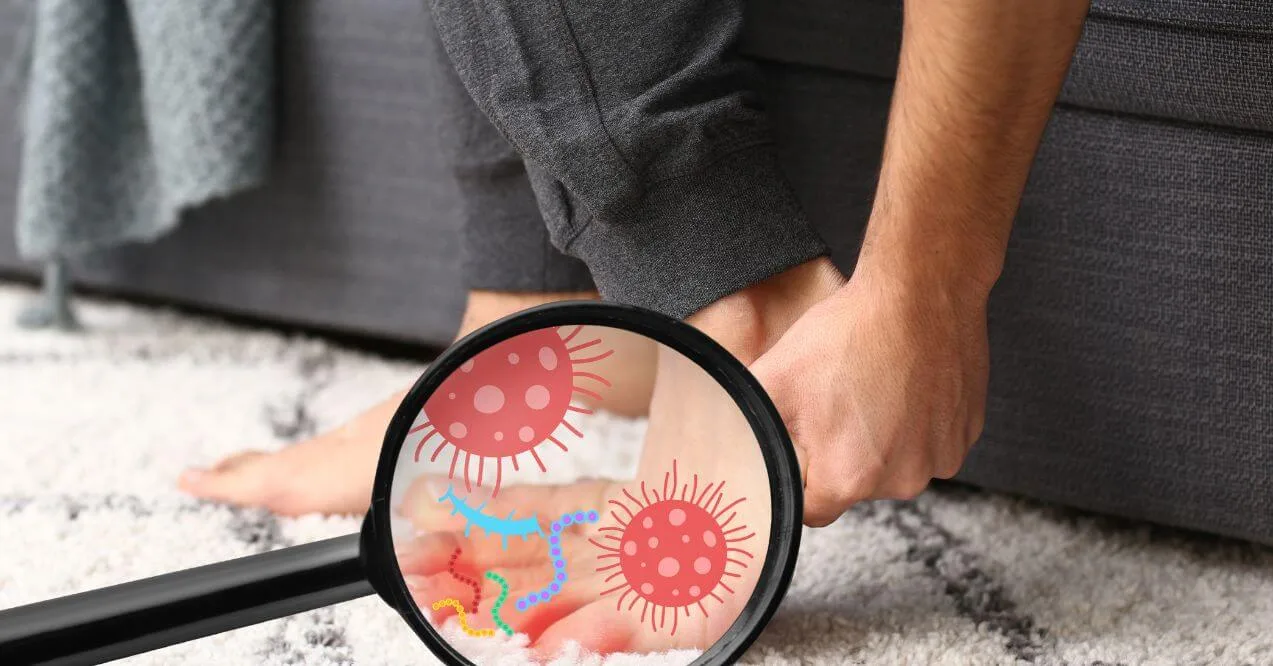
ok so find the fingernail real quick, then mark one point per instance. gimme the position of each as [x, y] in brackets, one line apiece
[192, 475]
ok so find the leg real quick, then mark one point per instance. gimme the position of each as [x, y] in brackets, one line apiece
[509, 264]
[659, 176]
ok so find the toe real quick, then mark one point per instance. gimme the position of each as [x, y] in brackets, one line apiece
[534, 620]
[423, 506]
[600, 627]
[238, 479]
[429, 554]
[596, 627]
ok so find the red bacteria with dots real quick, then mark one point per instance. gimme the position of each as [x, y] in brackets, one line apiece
[507, 400]
[672, 550]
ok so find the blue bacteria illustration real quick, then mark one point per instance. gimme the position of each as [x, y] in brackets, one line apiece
[553, 588]
[505, 527]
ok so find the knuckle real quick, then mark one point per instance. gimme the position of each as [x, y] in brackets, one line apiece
[859, 484]
[822, 508]
[909, 486]
[819, 517]
[859, 487]
[827, 500]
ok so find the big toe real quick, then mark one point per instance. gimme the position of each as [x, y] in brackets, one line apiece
[238, 479]
[600, 628]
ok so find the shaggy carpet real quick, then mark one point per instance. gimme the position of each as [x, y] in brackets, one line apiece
[95, 427]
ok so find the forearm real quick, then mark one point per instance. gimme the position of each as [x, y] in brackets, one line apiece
[976, 83]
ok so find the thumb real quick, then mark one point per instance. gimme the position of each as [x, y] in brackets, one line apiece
[771, 371]
[822, 503]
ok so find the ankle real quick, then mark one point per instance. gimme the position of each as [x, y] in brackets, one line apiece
[484, 307]
[749, 322]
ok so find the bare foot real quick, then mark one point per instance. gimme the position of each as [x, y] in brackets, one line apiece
[702, 490]
[330, 474]
[333, 472]
[609, 602]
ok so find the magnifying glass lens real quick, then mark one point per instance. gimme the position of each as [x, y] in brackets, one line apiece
[582, 489]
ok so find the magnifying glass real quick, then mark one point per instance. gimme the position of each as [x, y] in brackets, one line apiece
[513, 515]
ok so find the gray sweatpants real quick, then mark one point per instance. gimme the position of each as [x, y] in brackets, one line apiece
[641, 134]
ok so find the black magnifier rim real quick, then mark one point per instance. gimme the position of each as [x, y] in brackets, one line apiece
[785, 487]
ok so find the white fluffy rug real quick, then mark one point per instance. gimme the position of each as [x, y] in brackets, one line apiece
[95, 427]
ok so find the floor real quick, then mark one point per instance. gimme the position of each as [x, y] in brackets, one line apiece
[95, 427]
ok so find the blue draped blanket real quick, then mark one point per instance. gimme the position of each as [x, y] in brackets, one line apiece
[136, 110]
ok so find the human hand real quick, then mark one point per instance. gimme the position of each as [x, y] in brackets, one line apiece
[882, 385]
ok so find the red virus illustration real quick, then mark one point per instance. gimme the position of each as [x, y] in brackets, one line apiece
[672, 550]
[509, 399]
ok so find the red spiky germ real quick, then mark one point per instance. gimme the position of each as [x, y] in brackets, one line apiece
[507, 400]
[674, 550]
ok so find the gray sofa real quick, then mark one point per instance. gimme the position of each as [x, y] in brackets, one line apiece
[1132, 331]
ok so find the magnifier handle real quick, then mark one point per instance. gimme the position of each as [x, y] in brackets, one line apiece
[122, 620]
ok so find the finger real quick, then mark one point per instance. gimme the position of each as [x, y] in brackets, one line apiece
[978, 396]
[906, 478]
[949, 456]
[835, 475]
[950, 446]
[596, 627]
[834, 487]
[818, 505]
[950, 465]
[975, 425]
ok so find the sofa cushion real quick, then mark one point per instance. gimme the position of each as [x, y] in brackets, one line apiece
[1203, 62]
[1213, 15]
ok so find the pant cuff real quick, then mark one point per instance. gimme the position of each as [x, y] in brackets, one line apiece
[698, 238]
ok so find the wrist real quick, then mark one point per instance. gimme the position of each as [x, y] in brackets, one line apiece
[958, 253]
[750, 321]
